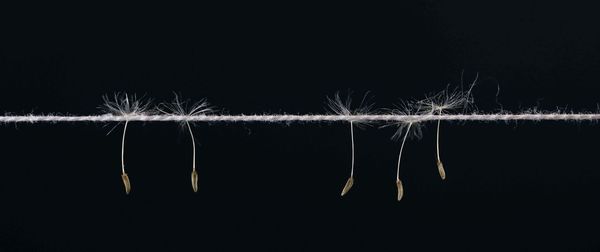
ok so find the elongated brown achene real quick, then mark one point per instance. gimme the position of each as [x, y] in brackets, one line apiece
[348, 185]
[195, 181]
[441, 170]
[400, 189]
[126, 183]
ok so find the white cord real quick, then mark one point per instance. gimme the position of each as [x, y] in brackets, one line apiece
[301, 118]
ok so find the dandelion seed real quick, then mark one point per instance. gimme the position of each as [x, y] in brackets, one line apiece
[410, 128]
[125, 105]
[182, 108]
[337, 106]
[440, 103]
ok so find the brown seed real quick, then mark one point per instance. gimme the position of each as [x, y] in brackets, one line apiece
[348, 185]
[195, 181]
[441, 170]
[400, 189]
[126, 182]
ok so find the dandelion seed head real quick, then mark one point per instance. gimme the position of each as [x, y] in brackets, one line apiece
[344, 107]
[125, 105]
[185, 108]
[445, 101]
[406, 108]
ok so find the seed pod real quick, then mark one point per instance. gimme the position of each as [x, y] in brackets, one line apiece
[348, 185]
[400, 189]
[195, 181]
[441, 170]
[126, 183]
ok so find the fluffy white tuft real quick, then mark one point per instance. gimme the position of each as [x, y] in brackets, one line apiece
[124, 105]
[185, 108]
[344, 107]
[407, 108]
[337, 106]
[445, 101]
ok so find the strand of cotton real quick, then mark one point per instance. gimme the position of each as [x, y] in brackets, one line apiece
[303, 118]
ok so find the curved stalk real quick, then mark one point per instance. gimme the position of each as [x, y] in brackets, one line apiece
[398, 181]
[350, 180]
[438, 160]
[194, 173]
[124, 176]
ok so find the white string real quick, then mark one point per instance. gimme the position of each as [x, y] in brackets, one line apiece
[301, 118]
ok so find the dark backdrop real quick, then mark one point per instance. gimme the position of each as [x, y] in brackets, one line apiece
[510, 186]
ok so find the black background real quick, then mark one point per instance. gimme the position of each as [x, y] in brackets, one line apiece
[517, 186]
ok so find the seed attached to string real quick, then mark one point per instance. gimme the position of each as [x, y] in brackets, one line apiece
[124, 105]
[339, 107]
[185, 109]
[446, 100]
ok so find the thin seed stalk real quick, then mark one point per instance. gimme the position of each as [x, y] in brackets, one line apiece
[398, 181]
[438, 160]
[124, 176]
[194, 173]
[350, 181]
